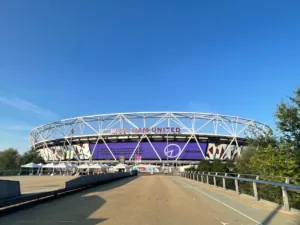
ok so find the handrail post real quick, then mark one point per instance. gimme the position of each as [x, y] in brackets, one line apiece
[207, 180]
[255, 189]
[224, 181]
[285, 195]
[202, 177]
[237, 185]
[215, 181]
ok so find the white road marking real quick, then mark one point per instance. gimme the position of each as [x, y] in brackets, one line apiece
[217, 200]
[224, 223]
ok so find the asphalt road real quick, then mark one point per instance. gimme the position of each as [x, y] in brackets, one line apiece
[157, 200]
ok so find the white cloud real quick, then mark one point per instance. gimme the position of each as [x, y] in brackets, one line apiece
[27, 106]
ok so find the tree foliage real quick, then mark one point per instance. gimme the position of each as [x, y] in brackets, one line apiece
[204, 166]
[274, 161]
[9, 159]
[218, 166]
[288, 120]
[243, 162]
[31, 156]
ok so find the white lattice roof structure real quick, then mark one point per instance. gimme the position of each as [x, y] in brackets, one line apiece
[146, 126]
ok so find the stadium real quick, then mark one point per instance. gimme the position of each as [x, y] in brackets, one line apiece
[147, 137]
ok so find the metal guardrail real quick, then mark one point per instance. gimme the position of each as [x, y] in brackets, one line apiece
[199, 176]
[251, 175]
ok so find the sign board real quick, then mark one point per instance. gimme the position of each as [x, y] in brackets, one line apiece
[141, 130]
[163, 150]
[138, 158]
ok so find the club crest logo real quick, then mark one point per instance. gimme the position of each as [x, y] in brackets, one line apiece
[172, 150]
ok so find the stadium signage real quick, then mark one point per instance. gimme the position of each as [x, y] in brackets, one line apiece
[156, 130]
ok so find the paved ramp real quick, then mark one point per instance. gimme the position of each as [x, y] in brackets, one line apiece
[152, 200]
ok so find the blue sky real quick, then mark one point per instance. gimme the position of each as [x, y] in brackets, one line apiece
[61, 59]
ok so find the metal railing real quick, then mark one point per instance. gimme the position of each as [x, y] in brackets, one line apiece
[285, 187]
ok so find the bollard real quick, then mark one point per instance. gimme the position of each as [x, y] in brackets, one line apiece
[202, 177]
[197, 176]
[255, 189]
[194, 175]
[207, 181]
[215, 182]
[237, 185]
[285, 195]
[224, 181]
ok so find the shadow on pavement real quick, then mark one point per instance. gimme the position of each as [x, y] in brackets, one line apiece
[71, 209]
[269, 218]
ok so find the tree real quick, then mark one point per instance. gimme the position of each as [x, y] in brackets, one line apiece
[230, 166]
[31, 156]
[243, 162]
[204, 166]
[9, 159]
[263, 140]
[275, 161]
[288, 120]
[218, 166]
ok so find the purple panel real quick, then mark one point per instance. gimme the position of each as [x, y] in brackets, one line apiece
[165, 150]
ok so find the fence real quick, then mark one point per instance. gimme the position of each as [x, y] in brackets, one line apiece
[247, 185]
[9, 172]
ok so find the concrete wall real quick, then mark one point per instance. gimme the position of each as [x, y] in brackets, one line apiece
[9, 189]
[95, 179]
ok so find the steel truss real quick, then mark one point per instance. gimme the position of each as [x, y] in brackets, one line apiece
[191, 124]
